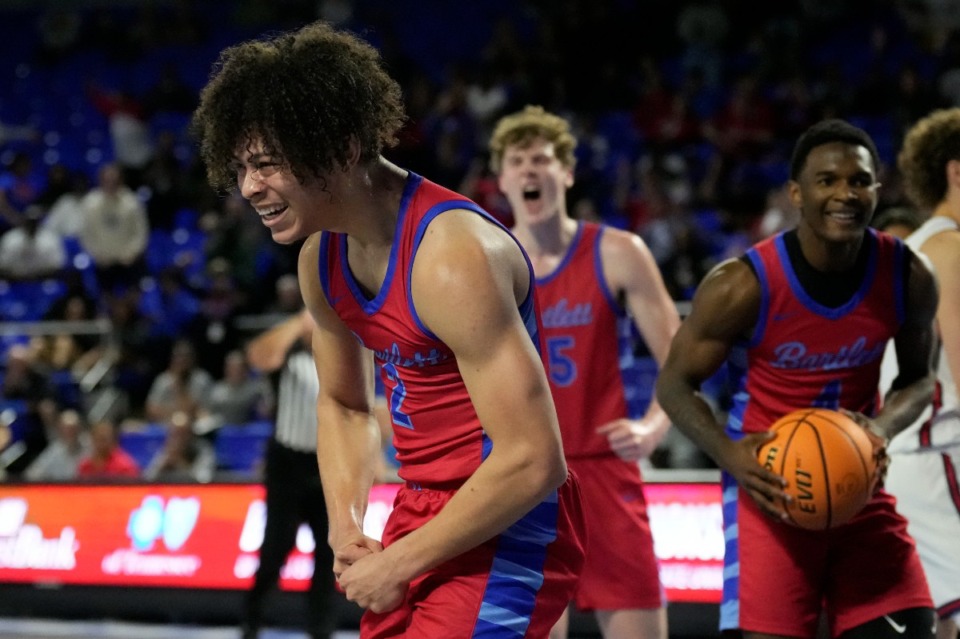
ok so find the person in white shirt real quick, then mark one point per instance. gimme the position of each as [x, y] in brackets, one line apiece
[30, 251]
[115, 229]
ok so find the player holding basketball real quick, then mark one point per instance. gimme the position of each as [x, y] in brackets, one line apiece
[592, 281]
[924, 470]
[484, 538]
[802, 319]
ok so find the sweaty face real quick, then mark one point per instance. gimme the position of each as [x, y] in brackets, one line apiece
[273, 191]
[836, 192]
[534, 181]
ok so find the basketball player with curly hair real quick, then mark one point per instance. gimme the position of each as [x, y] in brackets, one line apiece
[802, 319]
[485, 535]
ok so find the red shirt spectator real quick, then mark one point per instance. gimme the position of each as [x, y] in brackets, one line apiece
[107, 459]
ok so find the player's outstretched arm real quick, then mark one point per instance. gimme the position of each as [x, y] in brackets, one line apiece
[629, 268]
[348, 437]
[467, 279]
[912, 390]
[724, 309]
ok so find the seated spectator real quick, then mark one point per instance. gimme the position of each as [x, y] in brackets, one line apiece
[106, 459]
[65, 216]
[20, 187]
[66, 350]
[180, 388]
[60, 459]
[184, 456]
[115, 230]
[238, 398]
[27, 388]
[899, 221]
[30, 251]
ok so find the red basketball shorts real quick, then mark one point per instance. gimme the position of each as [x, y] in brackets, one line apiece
[620, 569]
[514, 585]
[778, 577]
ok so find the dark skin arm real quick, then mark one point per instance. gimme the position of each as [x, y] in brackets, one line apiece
[724, 311]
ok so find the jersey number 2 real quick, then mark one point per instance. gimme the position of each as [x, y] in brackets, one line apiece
[397, 395]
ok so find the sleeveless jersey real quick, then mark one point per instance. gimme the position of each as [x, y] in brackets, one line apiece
[587, 336]
[939, 424]
[804, 354]
[437, 434]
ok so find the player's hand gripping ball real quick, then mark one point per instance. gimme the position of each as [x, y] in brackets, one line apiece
[829, 464]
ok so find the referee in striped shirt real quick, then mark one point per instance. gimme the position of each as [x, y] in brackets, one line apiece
[291, 477]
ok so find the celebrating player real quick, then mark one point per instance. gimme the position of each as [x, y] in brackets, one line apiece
[484, 538]
[592, 282]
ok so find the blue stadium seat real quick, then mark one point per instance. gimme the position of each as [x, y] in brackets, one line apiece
[142, 444]
[241, 447]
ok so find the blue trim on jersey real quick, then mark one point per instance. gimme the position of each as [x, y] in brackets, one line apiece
[526, 308]
[529, 316]
[516, 574]
[730, 600]
[601, 279]
[428, 217]
[371, 306]
[322, 261]
[812, 304]
[566, 258]
[486, 445]
[761, 273]
[900, 254]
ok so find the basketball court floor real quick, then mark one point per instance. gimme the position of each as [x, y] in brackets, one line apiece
[51, 629]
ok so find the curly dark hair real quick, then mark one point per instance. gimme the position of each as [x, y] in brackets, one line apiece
[929, 144]
[305, 93]
[825, 132]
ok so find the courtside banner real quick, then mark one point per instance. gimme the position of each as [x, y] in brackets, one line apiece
[208, 536]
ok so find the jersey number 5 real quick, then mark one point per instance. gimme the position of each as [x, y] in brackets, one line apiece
[562, 368]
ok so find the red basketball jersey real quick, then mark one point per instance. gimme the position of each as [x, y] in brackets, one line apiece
[587, 338]
[437, 434]
[805, 354]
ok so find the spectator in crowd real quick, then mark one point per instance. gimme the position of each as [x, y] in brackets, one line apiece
[184, 456]
[115, 230]
[68, 349]
[900, 221]
[25, 389]
[60, 460]
[133, 145]
[19, 188]
[239, 397]
[107, 460]
[180, 388]
[31, 251]
[66, 216]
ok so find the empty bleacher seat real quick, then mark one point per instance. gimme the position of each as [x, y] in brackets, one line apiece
[241, 447]
[143, 443]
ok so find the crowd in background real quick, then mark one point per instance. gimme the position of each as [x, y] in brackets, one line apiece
[685, 114]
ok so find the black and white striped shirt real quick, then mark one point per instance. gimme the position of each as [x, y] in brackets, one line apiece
[297, 390]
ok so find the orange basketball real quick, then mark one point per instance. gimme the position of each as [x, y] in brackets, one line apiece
[827, 460]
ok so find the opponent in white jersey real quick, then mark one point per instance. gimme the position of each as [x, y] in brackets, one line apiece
[925, 458]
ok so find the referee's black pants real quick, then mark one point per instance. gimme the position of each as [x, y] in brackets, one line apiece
[294, 495]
